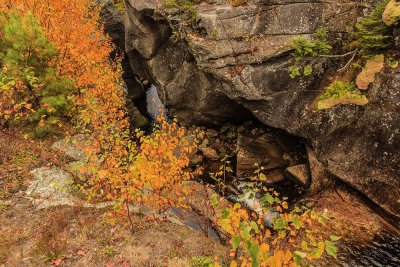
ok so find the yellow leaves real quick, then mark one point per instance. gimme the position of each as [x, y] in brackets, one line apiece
[28, 106]
[280, 258]
[264, 247]
[279, 208]
[267, 233]
[243, 213]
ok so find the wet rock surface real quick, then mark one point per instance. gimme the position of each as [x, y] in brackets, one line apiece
[232, 65]
[299, 174]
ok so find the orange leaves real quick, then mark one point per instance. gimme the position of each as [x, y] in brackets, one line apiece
[281, 258]
[151, 170]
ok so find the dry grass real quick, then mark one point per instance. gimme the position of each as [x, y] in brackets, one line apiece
[19, 155]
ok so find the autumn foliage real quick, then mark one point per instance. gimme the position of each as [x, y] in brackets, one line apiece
[295, 239]
[62, 69]
[148, 170]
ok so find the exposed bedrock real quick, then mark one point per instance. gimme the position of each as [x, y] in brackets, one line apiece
[232, 64]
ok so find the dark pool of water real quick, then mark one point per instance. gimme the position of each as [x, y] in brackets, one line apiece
[384, 251]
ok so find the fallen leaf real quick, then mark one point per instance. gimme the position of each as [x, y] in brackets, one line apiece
[81, 253]
[57, 262]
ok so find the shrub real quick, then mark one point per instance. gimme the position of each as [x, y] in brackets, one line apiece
[371, 34]
[295, 238]
[304, 49]
[271, 234]
[151, 171]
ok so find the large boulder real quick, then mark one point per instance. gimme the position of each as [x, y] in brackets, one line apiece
[230, 63]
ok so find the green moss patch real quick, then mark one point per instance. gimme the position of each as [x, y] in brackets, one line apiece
[338, 93]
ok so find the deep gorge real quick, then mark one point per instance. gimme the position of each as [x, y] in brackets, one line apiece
[230, 65]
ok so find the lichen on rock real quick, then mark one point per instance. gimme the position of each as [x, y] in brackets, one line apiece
[391, 14]
[372, 67]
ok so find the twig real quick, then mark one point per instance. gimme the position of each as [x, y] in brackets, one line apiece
[339, 56]
[353, 53]
[348, 62]
[129, 217]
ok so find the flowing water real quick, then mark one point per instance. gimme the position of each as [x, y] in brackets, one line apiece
[154, 105]
[384, 251]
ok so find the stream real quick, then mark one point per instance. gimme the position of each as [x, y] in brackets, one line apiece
[155, 107]
[383, 251]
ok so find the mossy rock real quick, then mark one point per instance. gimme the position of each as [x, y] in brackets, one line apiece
[339, 93]
[120, 5]
[391, 15]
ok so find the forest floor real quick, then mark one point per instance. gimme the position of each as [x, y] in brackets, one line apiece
[78, 236]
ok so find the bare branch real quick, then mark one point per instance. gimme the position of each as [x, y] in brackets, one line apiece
[348, 62]
[340, 56]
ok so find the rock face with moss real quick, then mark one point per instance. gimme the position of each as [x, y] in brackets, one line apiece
[213, 63]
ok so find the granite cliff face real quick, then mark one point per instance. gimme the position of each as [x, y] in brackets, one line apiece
[229, 64]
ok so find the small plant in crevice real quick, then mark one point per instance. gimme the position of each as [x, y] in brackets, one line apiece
[393, 63]
[185, 6]
[306, 49]
[120, 5]
[223, 174]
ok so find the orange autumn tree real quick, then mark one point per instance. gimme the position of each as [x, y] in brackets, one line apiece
[82, 55]
[120, 167]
